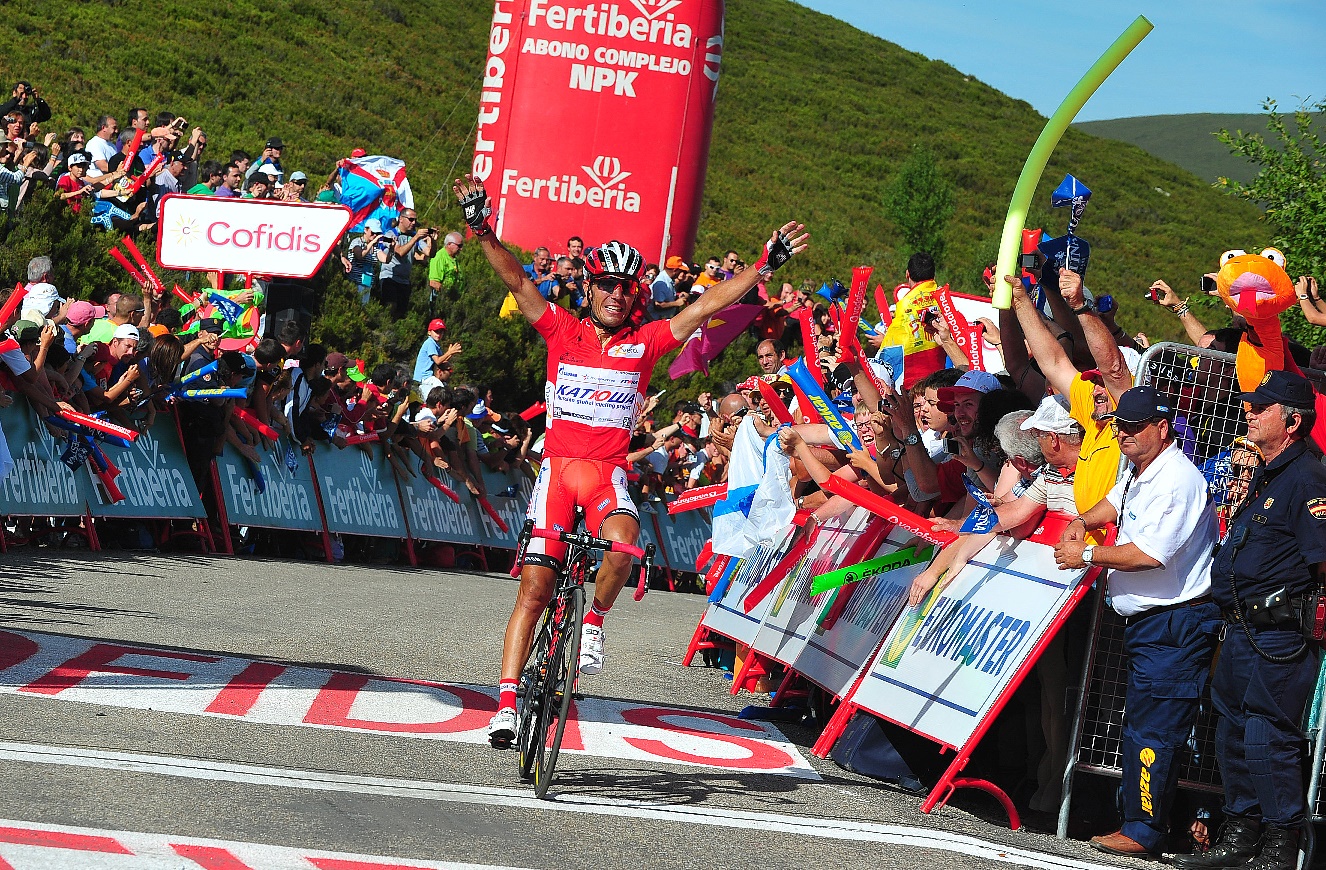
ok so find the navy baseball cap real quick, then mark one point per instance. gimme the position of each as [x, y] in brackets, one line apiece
[1281, 387]
[1139, 405]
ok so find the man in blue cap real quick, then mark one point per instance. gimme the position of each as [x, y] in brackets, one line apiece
[1160, 582]
[1267, 580]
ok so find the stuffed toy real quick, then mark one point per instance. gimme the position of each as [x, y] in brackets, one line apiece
[1257, 287]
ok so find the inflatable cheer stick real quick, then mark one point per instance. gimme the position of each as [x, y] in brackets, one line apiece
[139, 278]
[1045, 144]
[251, 420]
[147, 173]
[81, 431]
[775, 403]
[153, 282]
[443, 488]
[133, 148]
[105, 470]
[105, 427]
[12, 303]
[700, 497]
[365, 438]
[211, 393]
[883, 507]
[493, 515]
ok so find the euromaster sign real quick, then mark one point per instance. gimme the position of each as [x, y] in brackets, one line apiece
[594, 120]
[213, 234]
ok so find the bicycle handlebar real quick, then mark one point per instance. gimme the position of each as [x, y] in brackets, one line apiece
[588, 541]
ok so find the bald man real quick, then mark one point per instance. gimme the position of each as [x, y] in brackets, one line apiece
[443, 271]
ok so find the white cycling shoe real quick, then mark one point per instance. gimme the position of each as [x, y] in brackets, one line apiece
[502, 729]
[591, 649]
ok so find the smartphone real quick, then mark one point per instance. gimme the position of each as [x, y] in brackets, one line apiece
[1153, 294]
[952, 446]
[1209, 285]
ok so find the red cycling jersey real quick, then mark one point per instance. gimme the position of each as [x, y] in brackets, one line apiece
[595, 391]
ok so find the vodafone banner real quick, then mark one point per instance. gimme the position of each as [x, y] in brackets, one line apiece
[208, 233]
[594, 120]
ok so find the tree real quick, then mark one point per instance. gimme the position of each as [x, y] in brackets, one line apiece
[1291, 186]
[920, 203]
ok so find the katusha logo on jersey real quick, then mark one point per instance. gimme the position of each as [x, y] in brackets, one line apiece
[606, 187]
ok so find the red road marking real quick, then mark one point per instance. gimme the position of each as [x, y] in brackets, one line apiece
[332, 707]
[762, 755]
[210, 857]
[62, 840]
[241, 693]
[98, 660]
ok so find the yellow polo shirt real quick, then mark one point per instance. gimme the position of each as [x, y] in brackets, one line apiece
[1098, 463]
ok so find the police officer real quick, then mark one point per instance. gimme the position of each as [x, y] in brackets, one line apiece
[1266, 578]
[1159, 580]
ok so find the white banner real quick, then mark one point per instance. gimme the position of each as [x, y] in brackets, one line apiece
[946, 661]
[835, 654]
[726, 615]
[264, 237]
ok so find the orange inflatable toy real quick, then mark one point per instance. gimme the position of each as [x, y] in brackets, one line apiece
[1257, 287]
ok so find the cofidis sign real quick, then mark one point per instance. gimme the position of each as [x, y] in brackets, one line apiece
[265, 237]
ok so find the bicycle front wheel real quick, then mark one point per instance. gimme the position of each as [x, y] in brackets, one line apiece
[529, 732]
[563, 667]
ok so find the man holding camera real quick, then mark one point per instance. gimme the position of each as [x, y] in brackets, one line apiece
[1267, 580]
[408, 243]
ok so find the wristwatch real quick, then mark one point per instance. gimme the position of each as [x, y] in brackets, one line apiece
[1087, 553]
[896, 453]
[1086, 306]
[912, 439]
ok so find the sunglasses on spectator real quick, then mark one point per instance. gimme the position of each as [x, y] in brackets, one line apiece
[1123, 426]
[614, 285]
[333, 371]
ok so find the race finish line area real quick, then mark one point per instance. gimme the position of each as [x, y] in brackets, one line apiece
[79, 670]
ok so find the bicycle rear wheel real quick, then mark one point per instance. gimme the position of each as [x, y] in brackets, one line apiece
[559, 685]
[529, 731]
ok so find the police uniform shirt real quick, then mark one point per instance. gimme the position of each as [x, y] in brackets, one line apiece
[1285, 515]
[1166, 513]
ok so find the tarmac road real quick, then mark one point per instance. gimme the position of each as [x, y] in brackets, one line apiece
[176, 711]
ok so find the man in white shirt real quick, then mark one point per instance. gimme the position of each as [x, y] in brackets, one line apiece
[102, 146]
[1160, 581]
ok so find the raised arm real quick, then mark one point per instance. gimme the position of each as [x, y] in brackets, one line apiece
[790, 240]
[477, 209]
[1049, 355]
[1100, 340]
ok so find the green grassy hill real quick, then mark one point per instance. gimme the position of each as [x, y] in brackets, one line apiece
[813, 119]
[1186, 140]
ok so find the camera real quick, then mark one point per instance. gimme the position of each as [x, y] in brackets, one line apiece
[1153, 294]
[1029, 261]
[929, 316]
[952, 446]
[1209, 285]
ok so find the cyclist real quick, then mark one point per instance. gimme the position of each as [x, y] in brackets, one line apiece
[598, 369]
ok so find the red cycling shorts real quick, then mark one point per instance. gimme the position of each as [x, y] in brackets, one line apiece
[598, 487]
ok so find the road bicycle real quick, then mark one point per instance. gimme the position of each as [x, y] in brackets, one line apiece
[548, 682]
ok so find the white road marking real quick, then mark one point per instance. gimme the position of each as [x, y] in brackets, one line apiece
[56, 667]
[312, 780]
[29, 846]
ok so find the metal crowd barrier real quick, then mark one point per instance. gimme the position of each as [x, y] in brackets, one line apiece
[1204, 388]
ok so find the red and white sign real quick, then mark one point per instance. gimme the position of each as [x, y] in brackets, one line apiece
[35, 665]
[262, 237]
[594, 120]
[29, 846]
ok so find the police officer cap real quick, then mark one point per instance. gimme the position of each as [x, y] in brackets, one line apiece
[1139, 405]
[1285, 388]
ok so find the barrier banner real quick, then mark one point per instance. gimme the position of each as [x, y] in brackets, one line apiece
[683, 537]
[285, 500]
[154, 477]
[726, 615]
[511, 509]
[39, 483]
[858, 615]
[791, 618]
[947, 661]
[435, 517]
[358, 489]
